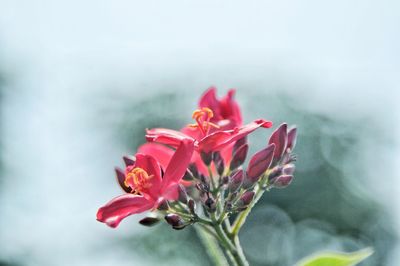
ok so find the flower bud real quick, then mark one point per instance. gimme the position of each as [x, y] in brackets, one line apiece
[193, 170]
[291, 138]
[245, 199]
[210, 204]
[218, 162]
[188, 176]
[182, 194]
[175, 221]
[282, 181]
[163, 206]
[192, 206]
[236, 181]
[239, 157]
[225, 180]
[239, 144]
[288, 169]
[275, 172]
[206, 157]
[279, 138]
[259, 163]
[149, 221]
[121, 180]
[129, 160]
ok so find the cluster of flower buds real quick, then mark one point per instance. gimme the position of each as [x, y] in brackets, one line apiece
[199, 174]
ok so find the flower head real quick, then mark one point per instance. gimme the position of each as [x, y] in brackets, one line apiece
[145, 186]
[218, 125]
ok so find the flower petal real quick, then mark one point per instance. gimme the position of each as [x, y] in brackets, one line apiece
[178, 165]
[209, 99]
[165, 136]
[220, 139]
[230, 108]
[120, 207]
[160, 152]
[151, 166]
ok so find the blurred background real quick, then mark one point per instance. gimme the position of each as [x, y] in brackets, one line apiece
[80, 80]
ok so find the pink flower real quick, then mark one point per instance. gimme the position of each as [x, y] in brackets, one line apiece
[146, 185]
[218, 125]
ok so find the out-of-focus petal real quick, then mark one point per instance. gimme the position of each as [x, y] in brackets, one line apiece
[178, 165]
[120, 207]
[160, 152]
[165, 136]
[230, 108]
[209, 99]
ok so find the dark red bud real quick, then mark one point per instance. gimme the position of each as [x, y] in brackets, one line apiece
[225, 180]
[163, 206]
[236, 181]
[279, 138]
[206, 157]
[149, 221]
[175, 221]
[283, 181]
[259, 163]
[188, 176]
[182, 194]
[291, 138]
[239, 157]
[288, 169]
[218, 162]
[193, 170]
[245, 199]
[210, 204]
[121, 180]
[129, 160]
[192, 206]
[239, 144]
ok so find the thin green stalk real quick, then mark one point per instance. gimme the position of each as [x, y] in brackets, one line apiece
[243, 215]
[212, 248]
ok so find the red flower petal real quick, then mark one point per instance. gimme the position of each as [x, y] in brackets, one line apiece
[120, 207]
[160, 152]
[151, 166]
[209, 99]
[165, 136]
[220, 139]
[177, 166]
[230, 108]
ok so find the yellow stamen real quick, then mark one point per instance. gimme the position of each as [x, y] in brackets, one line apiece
[138, 179]
[202, 117]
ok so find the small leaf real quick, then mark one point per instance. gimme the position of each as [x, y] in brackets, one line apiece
[330, 258]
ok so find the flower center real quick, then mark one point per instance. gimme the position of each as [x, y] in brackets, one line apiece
[202, 117]
[138, 179]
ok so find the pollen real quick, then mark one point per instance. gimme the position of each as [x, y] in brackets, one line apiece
[202, 117]
[138, 179]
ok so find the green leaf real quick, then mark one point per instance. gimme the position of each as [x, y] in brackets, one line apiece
[330, 258]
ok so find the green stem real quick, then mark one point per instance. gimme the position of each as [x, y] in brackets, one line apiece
[212, 248]
[243, 215]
